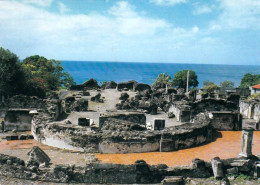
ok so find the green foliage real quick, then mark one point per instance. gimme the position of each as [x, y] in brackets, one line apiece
[254, 96]
[227, 84]
[12, 76]
[180, 79]
[34, 76]
[209, 86]
[46, 74]
[249, 80]
[162, 80]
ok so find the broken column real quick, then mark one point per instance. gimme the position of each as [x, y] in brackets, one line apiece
[38, 157]
[217, 167]
[247, 138]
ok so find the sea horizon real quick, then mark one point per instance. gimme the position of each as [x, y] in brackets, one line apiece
[147, 72]
[99, 61]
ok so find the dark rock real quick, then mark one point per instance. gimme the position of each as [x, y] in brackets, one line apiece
[109, 85]
[85, 93]
[80, 105]
[97, 98]
[23, 137]
[141, 87]
[90, 84]
[12, 137]
[129, 85]
[124, 96]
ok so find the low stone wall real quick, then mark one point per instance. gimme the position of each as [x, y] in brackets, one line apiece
[138, 173]
[99, 173]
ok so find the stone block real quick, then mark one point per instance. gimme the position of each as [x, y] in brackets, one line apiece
[173, 180]
[232, 171]
[12, 137]
[217, 167]
[23, 137]
[257, 171]
[166, 145]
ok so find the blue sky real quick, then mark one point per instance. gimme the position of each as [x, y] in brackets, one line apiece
[177, 31]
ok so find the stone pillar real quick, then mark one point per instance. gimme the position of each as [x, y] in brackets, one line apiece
[3, 126]
[247, 138]
[217, 167]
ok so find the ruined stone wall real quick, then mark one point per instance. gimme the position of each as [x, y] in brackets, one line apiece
[212, 105]
[226, 120]
[181, 112]
[99, 173]
[19, 120]
[257, 112]
[132, 117]
[250, 109]
[15, 111]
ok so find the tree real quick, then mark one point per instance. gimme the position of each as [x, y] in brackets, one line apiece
[249, 80]
[46, 74]
[209, 86]
[12, 75]
[180, 79]
[162, 80]
[227, 84]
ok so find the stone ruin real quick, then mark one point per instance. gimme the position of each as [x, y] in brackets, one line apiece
[140, 172]
[37, 157]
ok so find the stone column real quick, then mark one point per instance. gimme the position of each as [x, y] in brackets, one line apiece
[217, 167]
[247, 138]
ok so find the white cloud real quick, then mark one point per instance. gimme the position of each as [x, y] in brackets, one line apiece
[238, 14]
[167, 2]
[42, 3]
[202, 9]
[120, 33]
[63, 8]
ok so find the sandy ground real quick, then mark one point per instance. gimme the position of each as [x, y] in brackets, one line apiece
[226, 146]
[111, 98]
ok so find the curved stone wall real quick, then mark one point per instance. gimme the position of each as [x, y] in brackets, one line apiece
[81, 139]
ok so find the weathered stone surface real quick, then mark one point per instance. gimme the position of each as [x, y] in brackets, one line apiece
[247, 139]
[128, 85]
[232, 170]
[173, 180]
[217, 167]
[141, 87]
[124, 96]
[38, 155]
[80, 105]
[97, 98]
[109, 85]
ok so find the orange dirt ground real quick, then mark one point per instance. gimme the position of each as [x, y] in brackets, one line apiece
[227, 146]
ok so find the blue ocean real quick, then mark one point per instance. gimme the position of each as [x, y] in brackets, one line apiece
[148, 72]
